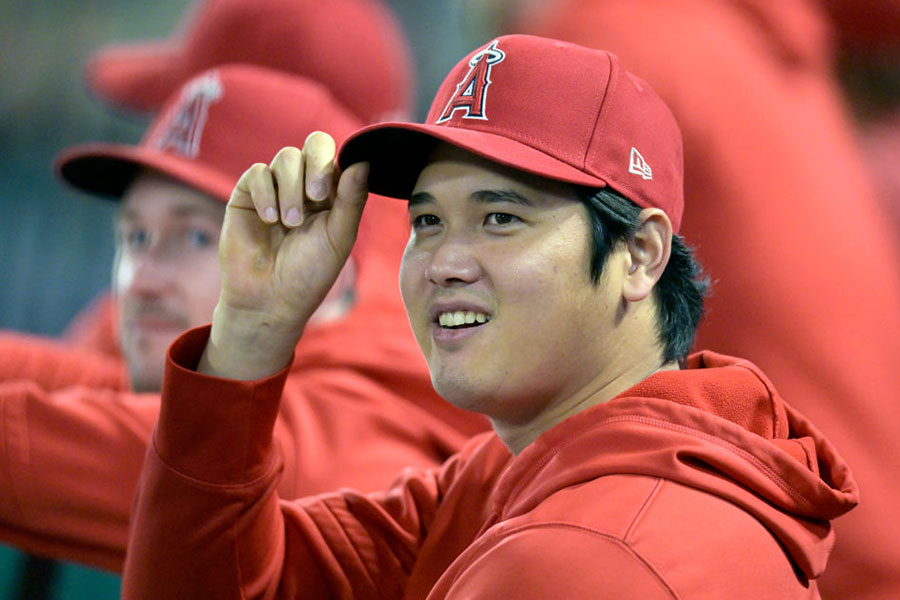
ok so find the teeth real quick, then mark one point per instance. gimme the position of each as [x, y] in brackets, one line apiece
[455, 319]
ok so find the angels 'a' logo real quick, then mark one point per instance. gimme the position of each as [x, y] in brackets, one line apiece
[472, 90]
[185, 129]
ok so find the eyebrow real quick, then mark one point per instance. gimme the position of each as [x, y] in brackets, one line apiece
[480, 196]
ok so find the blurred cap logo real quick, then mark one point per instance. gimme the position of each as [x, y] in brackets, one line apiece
[185, 129]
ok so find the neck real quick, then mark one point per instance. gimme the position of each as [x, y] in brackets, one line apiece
[608, 384]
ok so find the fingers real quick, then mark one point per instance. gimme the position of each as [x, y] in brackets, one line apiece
[279, 191]
[352, 192]
[319, 152]
[255, 190]
[287, 170]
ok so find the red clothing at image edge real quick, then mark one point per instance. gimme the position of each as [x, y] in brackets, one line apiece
[358, 406]
[86, 354]
[699, 483]
[804, 259]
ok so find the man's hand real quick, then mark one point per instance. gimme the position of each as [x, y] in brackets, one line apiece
[288, 231]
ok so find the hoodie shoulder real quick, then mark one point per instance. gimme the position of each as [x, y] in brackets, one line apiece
[553, 560]
[655, 538]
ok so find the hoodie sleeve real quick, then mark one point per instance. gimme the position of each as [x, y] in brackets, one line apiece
[208, 521]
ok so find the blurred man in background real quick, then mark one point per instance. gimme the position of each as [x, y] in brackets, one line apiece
[323, 43]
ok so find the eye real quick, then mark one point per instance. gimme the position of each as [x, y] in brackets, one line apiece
[134, 238]
[499, 218]
[198, 238]
[423, 221]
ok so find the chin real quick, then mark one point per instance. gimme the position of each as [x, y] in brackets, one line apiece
[462, 393]
[145, 375]
[145, 383]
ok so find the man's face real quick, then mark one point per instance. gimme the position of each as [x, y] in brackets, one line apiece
[510, 252]
[166, 274]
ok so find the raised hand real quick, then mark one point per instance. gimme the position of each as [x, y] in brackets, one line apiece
[288, 230]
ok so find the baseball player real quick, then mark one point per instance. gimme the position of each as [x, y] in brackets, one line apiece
[547, 288]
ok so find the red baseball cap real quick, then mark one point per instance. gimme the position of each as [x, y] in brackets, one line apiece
[356, 48]
[211, 131]
[555, 109]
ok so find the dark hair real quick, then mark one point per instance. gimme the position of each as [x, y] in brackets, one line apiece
[680, 290]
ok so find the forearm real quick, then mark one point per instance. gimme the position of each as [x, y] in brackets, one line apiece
[192, 538]
[207, 486]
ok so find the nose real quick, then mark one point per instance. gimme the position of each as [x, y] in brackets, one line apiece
[144, 275]
[454, 263]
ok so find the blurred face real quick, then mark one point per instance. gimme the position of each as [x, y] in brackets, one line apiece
[166, 274]
[496, 282]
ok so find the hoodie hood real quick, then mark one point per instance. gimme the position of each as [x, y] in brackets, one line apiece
[718, 426]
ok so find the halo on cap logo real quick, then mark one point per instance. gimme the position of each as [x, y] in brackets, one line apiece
[471, 92]
[185, 129]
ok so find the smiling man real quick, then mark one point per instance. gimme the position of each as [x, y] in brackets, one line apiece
[548, 289]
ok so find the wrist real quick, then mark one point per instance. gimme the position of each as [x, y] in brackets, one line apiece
[248, 345]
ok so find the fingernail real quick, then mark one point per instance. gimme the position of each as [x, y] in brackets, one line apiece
[271, 215]
[292, 217]
[317, 190]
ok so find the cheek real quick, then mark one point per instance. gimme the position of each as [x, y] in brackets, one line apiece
[122, 274]
[412, 290]
[550, 289]
[412, 277]
[543, 277]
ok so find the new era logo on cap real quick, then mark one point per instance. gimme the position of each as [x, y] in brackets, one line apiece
[185, 129]
[638, 165]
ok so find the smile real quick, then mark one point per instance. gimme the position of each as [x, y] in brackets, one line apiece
[457, 319]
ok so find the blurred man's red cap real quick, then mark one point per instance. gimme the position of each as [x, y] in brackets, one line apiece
[216, 126]
[211, 130]
[356, 48]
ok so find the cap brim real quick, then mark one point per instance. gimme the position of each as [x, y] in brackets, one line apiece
[108, 170]
[397, 153]
[135, 76]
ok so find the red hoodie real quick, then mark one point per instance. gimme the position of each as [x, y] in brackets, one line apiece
[698, 483]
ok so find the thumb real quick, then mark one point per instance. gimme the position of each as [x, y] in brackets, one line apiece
[346, 212]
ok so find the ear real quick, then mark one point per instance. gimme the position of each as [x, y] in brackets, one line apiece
[648, 252]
